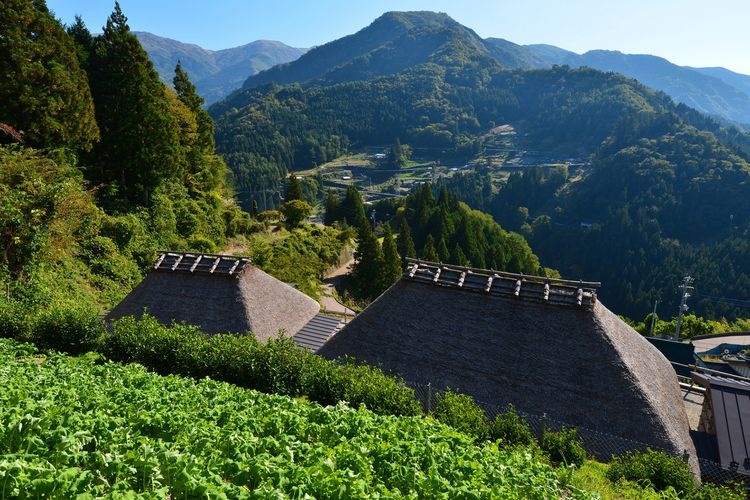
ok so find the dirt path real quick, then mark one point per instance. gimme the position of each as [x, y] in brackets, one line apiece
[330, 284]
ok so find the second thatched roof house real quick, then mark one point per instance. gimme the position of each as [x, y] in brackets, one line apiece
[225, 294]
[547, 346]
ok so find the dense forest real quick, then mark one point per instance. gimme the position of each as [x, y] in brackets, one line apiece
[437, 229]
[639, 219]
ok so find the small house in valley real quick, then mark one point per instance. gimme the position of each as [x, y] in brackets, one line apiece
[225, 294]
[548, 346]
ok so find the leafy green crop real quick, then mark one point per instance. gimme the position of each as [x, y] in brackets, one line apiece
[80, 425]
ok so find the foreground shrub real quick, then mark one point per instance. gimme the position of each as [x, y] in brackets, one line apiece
[14, 321]
[656, 469]
[731, 491]
[511, 429]
[563, 447]
[461, 412]
[70, 329]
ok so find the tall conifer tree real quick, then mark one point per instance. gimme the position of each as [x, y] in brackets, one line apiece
[205, 170]
[332, 208]
[352, 209]
[429, 252]
[391, 270]
[442, 250]
[83, 41]
[404, 242]
[368, 259]
[459, 258]
[140, 146]
[186, 92]
[44, 94]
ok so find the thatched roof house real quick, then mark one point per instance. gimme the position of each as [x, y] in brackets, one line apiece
[220, 294]
[547, 346]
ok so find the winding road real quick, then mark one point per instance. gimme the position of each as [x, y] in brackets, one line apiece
[327, 300]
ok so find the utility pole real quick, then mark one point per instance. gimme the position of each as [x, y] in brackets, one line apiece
[684, 287]
[653, 319]
[372, 214]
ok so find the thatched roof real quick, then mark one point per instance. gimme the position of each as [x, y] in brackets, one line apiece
[219, 293]
[579, 364]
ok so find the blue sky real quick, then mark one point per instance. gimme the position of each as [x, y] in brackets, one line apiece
[687, 32]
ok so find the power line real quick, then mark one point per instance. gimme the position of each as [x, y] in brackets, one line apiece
[725, 300]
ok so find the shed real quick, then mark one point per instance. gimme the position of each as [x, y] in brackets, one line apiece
[547, 346]
[220, 294]
[726, 417]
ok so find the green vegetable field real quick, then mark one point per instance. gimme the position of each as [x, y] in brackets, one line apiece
[71, 426]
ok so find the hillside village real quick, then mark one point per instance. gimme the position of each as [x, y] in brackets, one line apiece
[410, 262]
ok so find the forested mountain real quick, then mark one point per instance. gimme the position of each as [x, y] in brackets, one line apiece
[737, 80]
[715, 91]
[215, 73]
[644, 215]
[394, 42]
[665, 193]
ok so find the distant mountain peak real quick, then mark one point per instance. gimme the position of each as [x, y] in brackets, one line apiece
[393, 42]
[215, 73]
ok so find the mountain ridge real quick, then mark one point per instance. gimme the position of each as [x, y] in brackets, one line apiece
[721, 94]
[706, 93]
[715, 91]
[215, 73]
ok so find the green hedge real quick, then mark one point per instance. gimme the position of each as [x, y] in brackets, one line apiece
[14, 321]
[279, 366]
[74, 330]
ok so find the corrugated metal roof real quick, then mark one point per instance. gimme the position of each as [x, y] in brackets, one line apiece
[498, 283]
[730, 400]
[183, 262]
[317, 331]
[706, 343]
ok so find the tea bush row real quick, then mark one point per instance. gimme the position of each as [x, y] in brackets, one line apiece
[278, 366]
